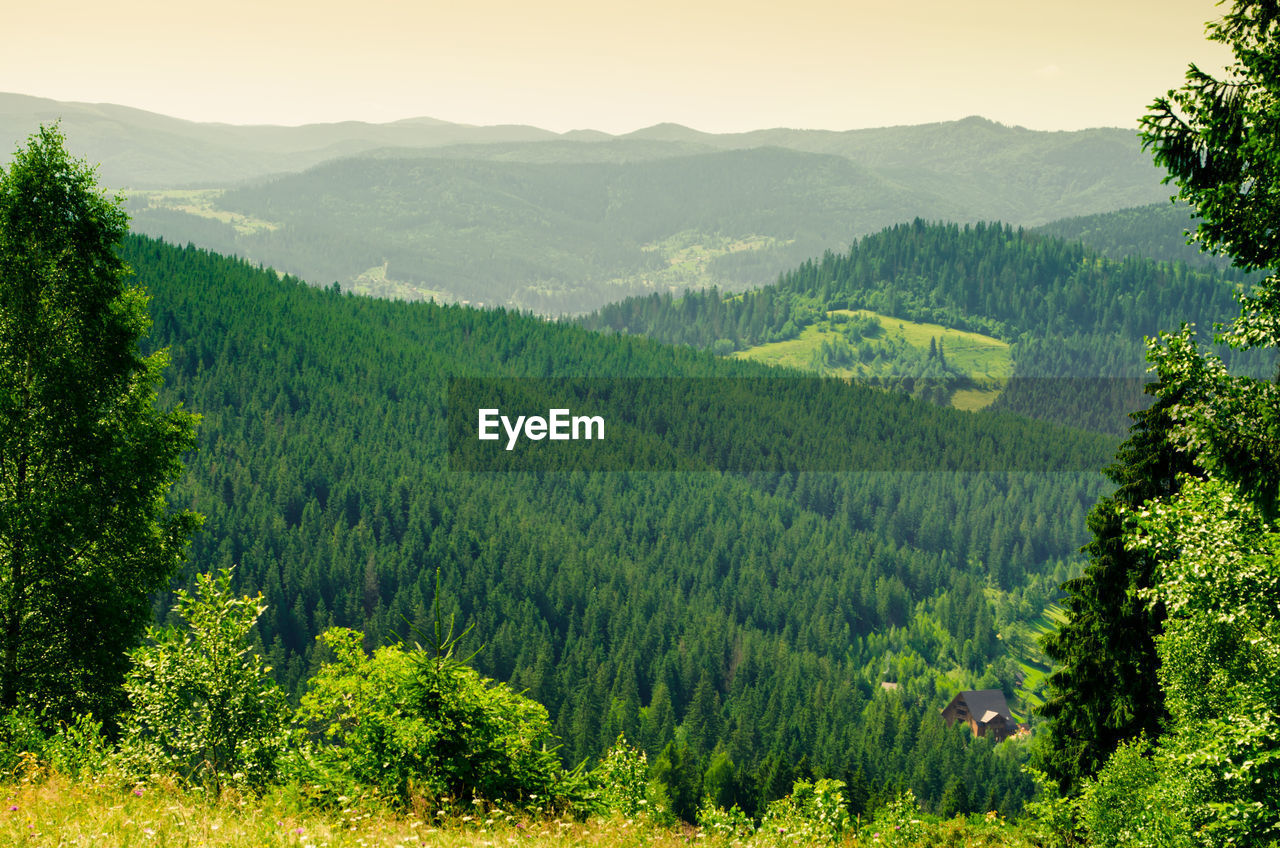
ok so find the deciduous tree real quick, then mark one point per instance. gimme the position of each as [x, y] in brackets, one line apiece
[86, 537]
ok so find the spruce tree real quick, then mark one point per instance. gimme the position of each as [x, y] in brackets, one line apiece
[1106, 690]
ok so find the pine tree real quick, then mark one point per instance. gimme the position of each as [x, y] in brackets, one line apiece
[1107, 690]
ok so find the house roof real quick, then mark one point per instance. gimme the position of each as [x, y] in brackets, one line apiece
[983, 702]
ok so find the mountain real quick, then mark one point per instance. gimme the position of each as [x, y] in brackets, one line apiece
[1157, 231]
[559, 236]
[747, 617]
[564, 223]
[525, 225]
[139, 149]
[1069, 313]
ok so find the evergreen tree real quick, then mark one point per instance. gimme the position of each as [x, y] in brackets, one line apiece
[1219, 139]
[1106, 690]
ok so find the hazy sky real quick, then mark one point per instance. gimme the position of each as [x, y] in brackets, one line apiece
[614, 65]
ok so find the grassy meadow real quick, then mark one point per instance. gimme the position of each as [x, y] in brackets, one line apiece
[986, 360]
[44, 810]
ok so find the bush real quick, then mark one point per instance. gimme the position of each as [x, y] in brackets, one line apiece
[78, 749]
[1128, 805]
[202, 706]
[731, 825]
[22, 737]
[898, 823]
[411, 724]
[620, 783]
[813, 812]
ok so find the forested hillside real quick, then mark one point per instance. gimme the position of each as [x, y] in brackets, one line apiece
[1158, 231]
[569, 232]
[737, 626]
[1068, 311]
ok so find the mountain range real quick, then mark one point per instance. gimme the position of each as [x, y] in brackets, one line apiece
[563, 223]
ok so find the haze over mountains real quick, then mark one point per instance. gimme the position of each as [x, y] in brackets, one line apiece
[519, 216]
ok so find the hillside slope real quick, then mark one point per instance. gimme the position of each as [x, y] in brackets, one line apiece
[1069, 312]
[749, 617]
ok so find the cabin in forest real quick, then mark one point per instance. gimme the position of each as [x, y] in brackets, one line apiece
[985, 711]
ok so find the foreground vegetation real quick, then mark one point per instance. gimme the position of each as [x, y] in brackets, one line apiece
[403, 747]
[55, 811]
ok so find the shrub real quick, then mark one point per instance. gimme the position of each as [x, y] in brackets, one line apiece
[412, 724]
[621, 782]
[78, 749]
[21, 738]
[813, 812]
[202, 706]
[731, 825]
[897, 823]
[1129, 804]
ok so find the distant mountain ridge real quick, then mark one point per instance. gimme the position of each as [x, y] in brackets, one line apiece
[564, 223]
[141, 149]
[101, 133]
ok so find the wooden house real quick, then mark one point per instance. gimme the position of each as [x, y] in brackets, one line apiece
[985, 711]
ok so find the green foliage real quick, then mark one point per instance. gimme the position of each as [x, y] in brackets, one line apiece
[1218, 767]
[813, 812]
[1212, 778]
[1132, 802]
[22, 737]
[1105, 690]
[86, 535]
[78, 749]
[731, 825]
[897, 824]
[621, 781]
[1218, 138]
[416, 724]
[202, 705]
[1051, 816]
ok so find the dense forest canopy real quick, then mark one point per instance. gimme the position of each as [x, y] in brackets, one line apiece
[1068, 311]
[752, 615]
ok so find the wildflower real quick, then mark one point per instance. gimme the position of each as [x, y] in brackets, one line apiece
[13, 808]
[138, 791]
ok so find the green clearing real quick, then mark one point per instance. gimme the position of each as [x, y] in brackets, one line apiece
[374, 282]
[1031, 659]
[688, 256]
[987, 361]
[203, 204]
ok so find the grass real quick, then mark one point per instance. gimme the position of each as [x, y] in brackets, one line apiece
[986, 360]
[55, 811]
[59, 812]
[202, 203]
[1035, 666]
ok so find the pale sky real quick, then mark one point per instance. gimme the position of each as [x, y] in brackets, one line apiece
[613, 65]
